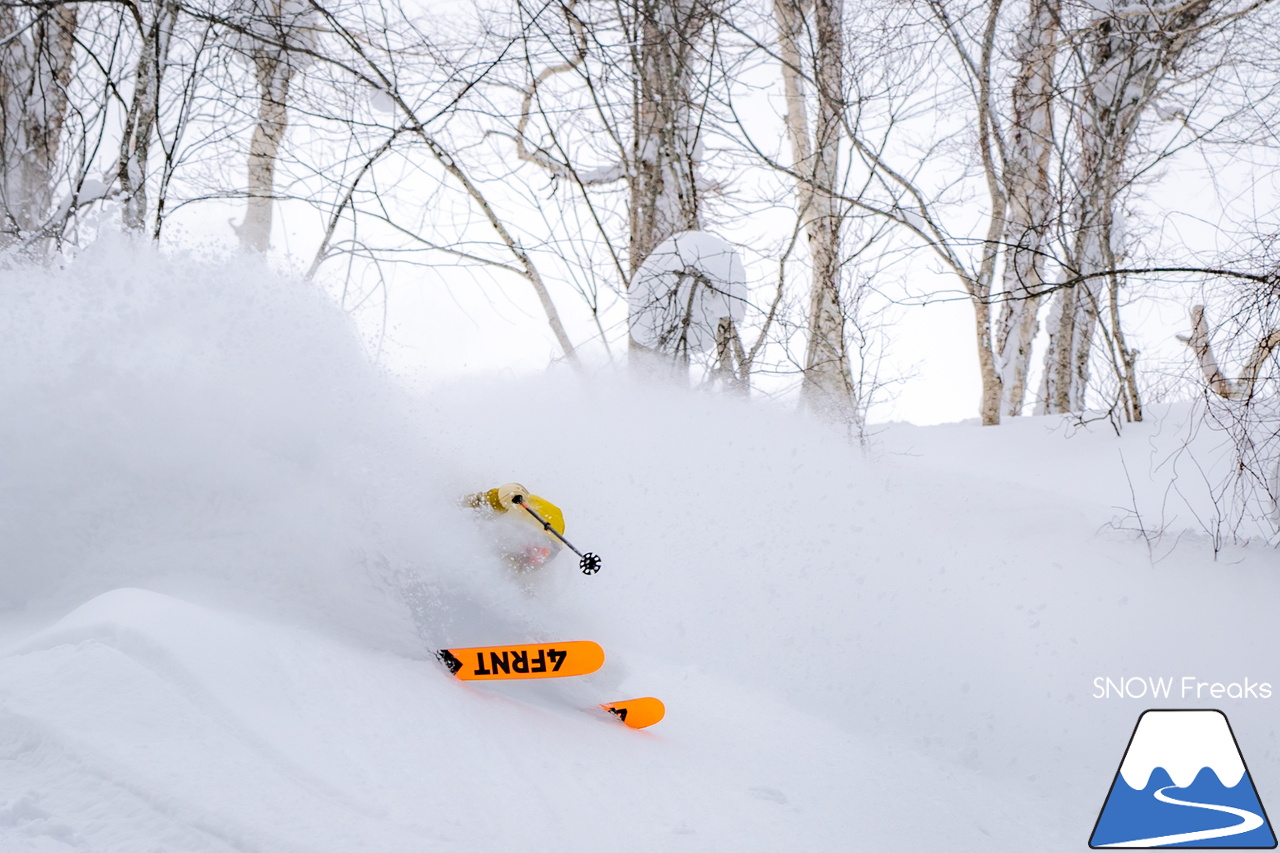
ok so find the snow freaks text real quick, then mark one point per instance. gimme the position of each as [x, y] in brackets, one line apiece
[1186, 687]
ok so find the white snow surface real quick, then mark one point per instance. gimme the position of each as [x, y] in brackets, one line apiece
[230, 545]
[1183, 743]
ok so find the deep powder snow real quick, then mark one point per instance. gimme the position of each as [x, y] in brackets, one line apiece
[230, 544]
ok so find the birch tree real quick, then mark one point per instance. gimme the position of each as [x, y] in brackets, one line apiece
[1126, 54]
[37, 56]
[275, 37]
[155, 21]
[811, 50]
[1060, 125]
[1029, 189]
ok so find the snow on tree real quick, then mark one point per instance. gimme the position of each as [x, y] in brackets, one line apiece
[685, 288]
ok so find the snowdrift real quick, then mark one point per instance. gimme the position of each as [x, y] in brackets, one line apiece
[230, 545]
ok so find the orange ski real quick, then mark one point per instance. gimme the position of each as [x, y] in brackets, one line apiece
[537, 660]
[637, 713]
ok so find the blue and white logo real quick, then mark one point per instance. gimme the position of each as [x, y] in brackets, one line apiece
[1183, 783]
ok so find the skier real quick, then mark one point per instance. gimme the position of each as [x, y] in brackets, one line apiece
[523, 525]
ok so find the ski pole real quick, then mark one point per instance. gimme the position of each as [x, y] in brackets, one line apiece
[590, 562]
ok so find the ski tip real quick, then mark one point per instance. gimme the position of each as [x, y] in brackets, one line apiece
[637, 713]
[447, 658]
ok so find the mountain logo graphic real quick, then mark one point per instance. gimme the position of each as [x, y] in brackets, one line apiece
[1183, 783]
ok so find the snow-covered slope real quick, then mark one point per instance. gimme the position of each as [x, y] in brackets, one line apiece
[230, 545]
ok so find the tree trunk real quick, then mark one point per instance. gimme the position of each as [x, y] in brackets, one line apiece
[1242, 388]
[827, 386]
[35, 68]
[274, 74]
[140, 123]
[992, 385]
[1029, 189]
